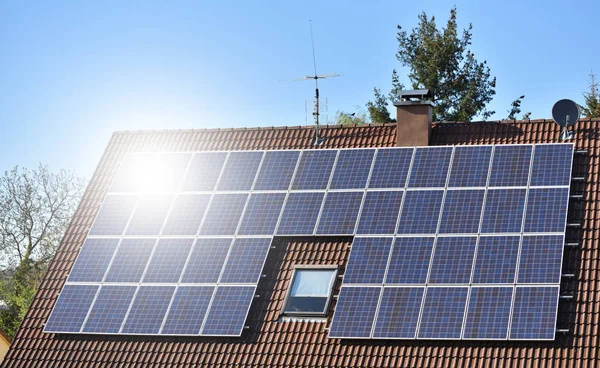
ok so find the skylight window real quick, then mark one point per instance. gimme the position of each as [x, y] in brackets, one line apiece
[310, 290]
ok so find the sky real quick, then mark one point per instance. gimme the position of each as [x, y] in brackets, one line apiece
[74, 72]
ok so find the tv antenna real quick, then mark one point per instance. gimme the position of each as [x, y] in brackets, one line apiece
[565, 113]
[318, 140]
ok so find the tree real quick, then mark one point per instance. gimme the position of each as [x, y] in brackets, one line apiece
[515, 108]
[378, 111]
[592, 99]
[354, 118]
[35, 209]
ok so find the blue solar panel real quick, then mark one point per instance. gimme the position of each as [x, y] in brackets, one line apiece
[204, 171]
[452, 260]
[462, 211]
[109, 309]
[206, 260]
[541, 259]
[488, 313]
[151, 172]
[380, 212]
[352, 169]
[340, 212]
[534, 313]
[113, 215]
[314, 169]
[300, 214]
[368, 260]
[71, 308]
[223, 214]
[503, 211]
[409, 262]
[470, 166]
[420, 212]
[510, 166]
[546, 210]
[93, 260]
[430, 167]
[443, 313]
[355, 312]
[240, 171]
[277, 170]
[496, 261]
[148, 309]
[262, 213]
[228, 311]
[399, 312]
[149, 215]
[186, 214]
[552, 164]
[391, 168]
[130, 260]
[246, 260]
[188, 310]
[168, 260]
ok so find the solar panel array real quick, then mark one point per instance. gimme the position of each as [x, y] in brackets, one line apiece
[477, 250]
[180, 240]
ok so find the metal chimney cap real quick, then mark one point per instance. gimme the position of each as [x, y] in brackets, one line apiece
[420, 94]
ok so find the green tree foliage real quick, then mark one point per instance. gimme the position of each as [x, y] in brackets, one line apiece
[592, 99]
[515, 109]
[354, 118]
[378, 111]
[35, 209]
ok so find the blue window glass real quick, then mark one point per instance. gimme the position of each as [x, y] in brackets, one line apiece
[546, 210]
[503, 211]
[368, 260]
[109, 309]
[148, 309]
[496, 261]
[93, 260]
[240, 171]
[223, 214]
[420, 212]
[452, 260]
[380, 213]
[410, 259]
[534, 313]
[204, 171]
[71, 308]
[228, 311]
[206, 261]
[246, 260]
[443, 313]
[113, 215]
[168, 260]
[391, 168]
[552, 164]
[262, 213]
[314, 169]
[130, 260]
[352, 169]
[354, 312]
[510, 166]
[470, 166]
[187, 312]
[277, 170]
[462, 211]
[541, 259]
[186, 215]
[430, 167]
[300, 214]
[488, 313]
[149, 215]
[398, 313]
[340, 212]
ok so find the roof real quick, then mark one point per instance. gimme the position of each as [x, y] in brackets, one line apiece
[268, 342]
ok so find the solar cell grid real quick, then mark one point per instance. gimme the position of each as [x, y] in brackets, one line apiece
[130, 260]
[443, 313]
[204, 171]
[109, 309]
[420, 212]
[546, 210]
[187, 311]
[462, 211]
[113, 215]
[300, 214]
[277, 170]
[368, 260]
[488, 313]
[93, 260]
[409, 261]
[510, 166]
[398, 313]
[240, 170]
[391, 168]
[71, 308]
[452, 260]
[552, 164]
[262, 213]
[246, 260]
[151, 172]
[534, 313]
[496, 260]
[148, 310]
[340, 212]
[228, 311]
[380, 212]
[541, 259]
[223, 214]
[168, 260]
[149, 215]
[355, 312]
[430, 167]
[186, 214]
[352, 169]
[314, 170]
[206, 260]
[503, 211]
[470, 166]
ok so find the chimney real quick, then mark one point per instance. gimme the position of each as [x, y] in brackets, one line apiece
[413, 116]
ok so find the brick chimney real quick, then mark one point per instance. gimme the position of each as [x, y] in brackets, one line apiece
[413, 116]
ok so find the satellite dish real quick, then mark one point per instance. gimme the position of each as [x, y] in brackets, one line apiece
[565, 113]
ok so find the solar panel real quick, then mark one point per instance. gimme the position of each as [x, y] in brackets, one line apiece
[204, 171]
[168, 260]
[380, 212]
[391, 168]
[240, 170]
[148, 310]
[510, 166]
[113, 215]
[93, 260]
[443, 313]
[354, 312]
[552, 165]
[206, 260]
[399, 313]
[262, 214]
[462, 211]
[149, 215]
[430, 167]
[277, 170]
[470, 166]
[368, 261]
[409, 261]
[314, 170]
[541, 259]
[496, 261]
[452, 260]
[130, 260]
[488, 313]
[420, 212]
[300, 213]
[546, 210]
[340, 212]
[352, 169]
[71, 308]
[503, 211]
[186, 214]
[188, 310]
[150, 172]
[534, 313]
[245, 261]
[228, 311]
[223, 215]
[109, 309]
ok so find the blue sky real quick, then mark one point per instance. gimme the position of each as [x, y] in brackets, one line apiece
[71, 72]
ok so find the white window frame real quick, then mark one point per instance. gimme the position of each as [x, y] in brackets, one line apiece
[298, 268]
